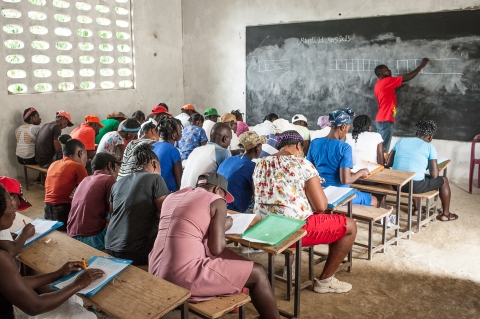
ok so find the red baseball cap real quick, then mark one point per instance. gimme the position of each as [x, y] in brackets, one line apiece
[13, 187]
[93, 119]
[66, 115]
[159, 109]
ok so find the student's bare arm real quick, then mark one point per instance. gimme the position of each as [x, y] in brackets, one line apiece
[159, 203]
[216, 236]
[91, 154]
[414, 73]
[306, 145]
[433, 168]
[14, 247]
[58, 146]
[315, 195]
[347, 177]
[390, 159]
[20, 293]
[178, 172]
[380, 158]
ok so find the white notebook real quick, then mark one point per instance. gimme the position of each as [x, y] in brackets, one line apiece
[240, 223]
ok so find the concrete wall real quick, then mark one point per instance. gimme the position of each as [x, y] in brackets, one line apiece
[157, 29]
[214, 46]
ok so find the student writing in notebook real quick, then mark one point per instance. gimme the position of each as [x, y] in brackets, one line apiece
[18, 291]
[289, 185]
[333, 157]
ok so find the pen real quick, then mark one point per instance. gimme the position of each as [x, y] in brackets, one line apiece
[24, 222]
[84, 263]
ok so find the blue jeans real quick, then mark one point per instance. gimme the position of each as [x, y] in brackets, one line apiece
[386, 131]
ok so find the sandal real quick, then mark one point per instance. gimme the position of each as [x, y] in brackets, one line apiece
[449, 216]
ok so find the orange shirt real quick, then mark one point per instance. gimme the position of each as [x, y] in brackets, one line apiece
[85, 134]
[62, 178]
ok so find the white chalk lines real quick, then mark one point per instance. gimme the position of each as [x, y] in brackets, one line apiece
[273, 65]
[435, 66]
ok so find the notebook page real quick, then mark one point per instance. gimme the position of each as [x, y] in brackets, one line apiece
[335, 193]
[240, 223]
[41, 227]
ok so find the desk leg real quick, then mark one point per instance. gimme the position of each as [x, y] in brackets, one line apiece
[271, 271]
[397, 231]
[26, 176]
[298, 273]
[350, 254]
[410, 209]
[184, 310]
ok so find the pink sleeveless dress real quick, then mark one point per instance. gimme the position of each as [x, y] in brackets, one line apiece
[181, 255]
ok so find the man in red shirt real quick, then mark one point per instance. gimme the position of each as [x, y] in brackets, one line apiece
[387, 99]
[86, 133]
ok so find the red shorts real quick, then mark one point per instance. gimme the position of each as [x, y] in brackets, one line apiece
[324, 229]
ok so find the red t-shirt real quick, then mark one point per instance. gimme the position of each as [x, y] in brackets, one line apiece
[387, 99]
[90, 205]
[62, 178]
[85, 134]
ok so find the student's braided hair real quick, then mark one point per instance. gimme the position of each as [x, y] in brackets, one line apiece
[167, 126]
[288, 138]
[3, 200]
[196, 117]
[360, 124]
[144, 154]
[237, 113]
[426, 128]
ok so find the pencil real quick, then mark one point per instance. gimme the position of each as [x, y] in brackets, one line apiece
[24, 222]
[84, 263]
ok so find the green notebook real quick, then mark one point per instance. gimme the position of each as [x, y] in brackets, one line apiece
[273, 229]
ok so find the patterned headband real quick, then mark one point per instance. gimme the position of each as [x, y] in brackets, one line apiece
[287, 136]
[126, 129]
[30, 111]
[340, 117]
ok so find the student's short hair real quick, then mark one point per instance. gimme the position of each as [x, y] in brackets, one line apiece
[237, 114]
[167, 126]
[138, 115]
[360, 124]
[26, 120]
[426, 128]
[164, 105]
[144, 154]
[196, 117]
[146, 127]
[270, 117]
[69, 144]
[3, 200]
[378, 70]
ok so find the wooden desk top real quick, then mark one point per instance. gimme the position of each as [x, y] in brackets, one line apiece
[391, 177]
[443, 165]
[134, 293]
[292, 239]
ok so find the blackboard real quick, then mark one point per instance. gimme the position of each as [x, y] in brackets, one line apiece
[316, 67]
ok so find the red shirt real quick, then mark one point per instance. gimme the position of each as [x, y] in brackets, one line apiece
[85, 134]
[62, 178]
[387, 99]
[90, 205]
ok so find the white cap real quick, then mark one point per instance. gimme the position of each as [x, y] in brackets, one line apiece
[299, 117]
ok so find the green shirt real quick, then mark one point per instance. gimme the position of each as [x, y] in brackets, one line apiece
[109, 125]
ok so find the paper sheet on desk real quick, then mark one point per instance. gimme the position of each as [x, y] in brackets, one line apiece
[41, 227]
[240, 223]
[110, 267]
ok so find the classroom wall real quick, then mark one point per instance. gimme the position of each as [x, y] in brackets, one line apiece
[157, 29]
[214, 46]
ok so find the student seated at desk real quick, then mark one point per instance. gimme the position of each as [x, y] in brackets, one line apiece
[26, 135]
[325, 127]
[238, 170]
[19, 203]
[193, 136]
[416, 154]
[135, 205]
[18, 291]
[333, 158]
[366, 145]
[190, 247]
[170, 131]
[289, 185]
[114, 142]
[86, 133]
[87, 220]
[63, 177]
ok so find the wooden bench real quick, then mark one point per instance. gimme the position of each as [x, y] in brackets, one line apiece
[370, 215]
[430, 203]
[37, 168]
[218, 306]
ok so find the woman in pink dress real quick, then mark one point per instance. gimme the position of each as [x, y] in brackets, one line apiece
[190, 247]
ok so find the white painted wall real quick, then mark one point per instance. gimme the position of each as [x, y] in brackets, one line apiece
[157, 29]
[214, 46]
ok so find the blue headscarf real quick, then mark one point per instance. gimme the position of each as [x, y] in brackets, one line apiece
[340, 117]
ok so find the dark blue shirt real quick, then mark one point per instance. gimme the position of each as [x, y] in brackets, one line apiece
[167, 155]
[238, 171]
[329, 156]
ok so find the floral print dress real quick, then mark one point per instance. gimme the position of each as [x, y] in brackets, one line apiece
[109, 143]
[280, 186]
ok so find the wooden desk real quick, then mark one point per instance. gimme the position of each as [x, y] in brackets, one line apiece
[443, 167]
[393, 178]
[272, 251]
[134, 293]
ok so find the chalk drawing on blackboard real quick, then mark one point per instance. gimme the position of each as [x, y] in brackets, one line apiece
[435, 66]
[361, 65]
[273, 65]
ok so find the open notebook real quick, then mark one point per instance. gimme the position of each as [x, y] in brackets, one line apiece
[441, 159]
[372, 167]
[111, 266]
[336, 195]
[273, 229]
[42, 228]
